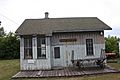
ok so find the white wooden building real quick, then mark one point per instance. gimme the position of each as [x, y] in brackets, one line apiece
[53, 42]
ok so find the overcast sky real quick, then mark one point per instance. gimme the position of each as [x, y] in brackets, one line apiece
[14, 12]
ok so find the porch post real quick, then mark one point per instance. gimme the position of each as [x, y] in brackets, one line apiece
[21, 52]
[48, 50]
[34, 47]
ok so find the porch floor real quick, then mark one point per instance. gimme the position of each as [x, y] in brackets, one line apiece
[66, 72]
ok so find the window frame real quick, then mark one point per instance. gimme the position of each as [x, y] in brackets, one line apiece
[41, 49]
[89, 47]
[28, 47]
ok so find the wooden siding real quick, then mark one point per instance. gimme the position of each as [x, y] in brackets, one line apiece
[79, 53]
[78, 46]
[98, 38]
[21, 52]
[35, 64]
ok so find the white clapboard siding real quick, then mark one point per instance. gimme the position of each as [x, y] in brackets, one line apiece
[66, 49]
[79, 47]
[35, 64]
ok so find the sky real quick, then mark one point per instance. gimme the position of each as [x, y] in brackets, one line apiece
[14, 12]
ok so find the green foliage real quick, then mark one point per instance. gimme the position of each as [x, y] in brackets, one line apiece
[2, 32]
[9, 46]
[111, 44]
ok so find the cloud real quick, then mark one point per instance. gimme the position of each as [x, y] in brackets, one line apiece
[114, 32]
[18, 10]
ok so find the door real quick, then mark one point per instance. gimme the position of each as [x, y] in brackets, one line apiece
[57, 57]
[62, 56]
[69, 55]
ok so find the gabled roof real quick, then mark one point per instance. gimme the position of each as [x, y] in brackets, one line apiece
[51, 25]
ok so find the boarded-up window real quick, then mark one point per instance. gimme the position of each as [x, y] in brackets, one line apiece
[41, 47]
[89, 47]
[56, 52]
[28, 47]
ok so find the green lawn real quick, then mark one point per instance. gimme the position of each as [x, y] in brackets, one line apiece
[10, 67]
[115, 65]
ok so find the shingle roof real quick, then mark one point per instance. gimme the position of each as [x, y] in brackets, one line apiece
[47, 26]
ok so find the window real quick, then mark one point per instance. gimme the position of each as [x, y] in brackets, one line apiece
[72, 57]
[41, 48]
[28, 47]
[89, 47]
[57, 52]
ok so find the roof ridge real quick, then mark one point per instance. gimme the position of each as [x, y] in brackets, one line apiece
[63, 18]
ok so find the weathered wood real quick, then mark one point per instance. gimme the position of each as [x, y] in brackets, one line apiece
[69, 43]
[98, 62]
[62, 73]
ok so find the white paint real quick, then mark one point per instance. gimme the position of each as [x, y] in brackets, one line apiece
[34, 47]
[35, 64]
[57, 61]
[31, 61]
[50, 61]
[42, 45]
[79, 53]
[21, 52]
[48, 51]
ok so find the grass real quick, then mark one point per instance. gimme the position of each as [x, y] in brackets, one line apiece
[8, 68]
[115, 65]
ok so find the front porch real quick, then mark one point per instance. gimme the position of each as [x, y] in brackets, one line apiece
[66, 72]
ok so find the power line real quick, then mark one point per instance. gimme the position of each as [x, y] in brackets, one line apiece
[9, 19]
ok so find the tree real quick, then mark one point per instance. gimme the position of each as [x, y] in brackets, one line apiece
[111, 44]
[2, 32]
[9, 47]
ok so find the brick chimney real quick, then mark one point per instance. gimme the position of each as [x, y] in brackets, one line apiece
[46, 15]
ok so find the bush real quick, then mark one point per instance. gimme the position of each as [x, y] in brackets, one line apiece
[9, 47]
[111, 44]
